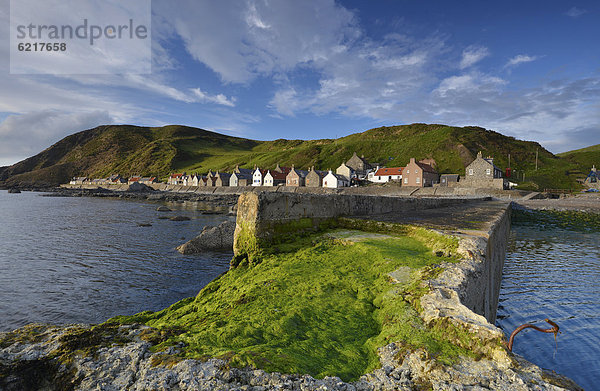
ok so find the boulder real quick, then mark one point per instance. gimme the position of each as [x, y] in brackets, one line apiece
[14, 191]
[211, 238]
[163, 209]
[139, 188]
[179, 218]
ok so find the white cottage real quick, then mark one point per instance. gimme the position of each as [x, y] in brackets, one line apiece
[257, 177]
[332, 180]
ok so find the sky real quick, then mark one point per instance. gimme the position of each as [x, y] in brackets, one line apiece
[310, 69]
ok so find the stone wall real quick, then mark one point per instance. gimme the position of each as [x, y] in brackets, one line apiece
[475, 282]
[261, 217]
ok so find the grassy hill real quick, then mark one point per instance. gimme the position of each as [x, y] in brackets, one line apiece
[583, 159]
[130, 150]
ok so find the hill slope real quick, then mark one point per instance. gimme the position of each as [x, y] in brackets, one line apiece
[130, 150]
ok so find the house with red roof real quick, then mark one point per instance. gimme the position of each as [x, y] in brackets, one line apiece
[386, 174]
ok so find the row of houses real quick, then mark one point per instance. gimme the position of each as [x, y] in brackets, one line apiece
[480, 173]
[113, 180]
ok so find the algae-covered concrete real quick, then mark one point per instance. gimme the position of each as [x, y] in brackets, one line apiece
[268, 215]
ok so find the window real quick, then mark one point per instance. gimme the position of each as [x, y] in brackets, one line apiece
[470, 171]
[408, 171]
[418, 180]
[488, 171]
[405, 180]
[390, 178]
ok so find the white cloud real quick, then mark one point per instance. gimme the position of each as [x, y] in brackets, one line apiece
[520, 59]
[472, 55]
[219, 99]
[241, 40]
[575, 12]
[24, 135]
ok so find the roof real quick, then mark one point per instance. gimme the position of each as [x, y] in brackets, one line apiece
[426, 167]
[450, 175]
[339, 177]
[278, 175]
[176, 175]
[243, 174]
[389, 171]
[300, 173]
[224, 175]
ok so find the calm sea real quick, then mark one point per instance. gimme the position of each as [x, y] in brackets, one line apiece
[84, 260]
[553, 272]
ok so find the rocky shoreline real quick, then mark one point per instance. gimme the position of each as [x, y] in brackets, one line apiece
[120, 357]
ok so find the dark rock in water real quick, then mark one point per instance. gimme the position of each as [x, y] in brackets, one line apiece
[139, 187]
[163, 209]
[14, 191]
[163, 217]
[179, 218]
[211, 238]
[144, 225]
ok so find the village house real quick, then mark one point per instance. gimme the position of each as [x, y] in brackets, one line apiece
[257, 177]
[79, 180]
[385, 174]
[274, 178]
[175, 179]
[314, 178]
[115, 179]
[332, 180]
[296, 177]
[283, 170]
[148, 180]
[133, 179]
[482, 173]
[346, 171]
[419, 174]
[222, 179]
[202, 181]
[359, 165]
[240, 179]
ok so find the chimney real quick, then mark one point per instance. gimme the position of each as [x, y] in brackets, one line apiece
[412, 160]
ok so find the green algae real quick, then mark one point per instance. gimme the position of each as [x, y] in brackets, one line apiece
[321, 307]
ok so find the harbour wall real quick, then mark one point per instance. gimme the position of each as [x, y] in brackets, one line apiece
[473, 283]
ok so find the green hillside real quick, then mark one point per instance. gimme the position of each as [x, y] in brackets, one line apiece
[583, 159]
[130, 150]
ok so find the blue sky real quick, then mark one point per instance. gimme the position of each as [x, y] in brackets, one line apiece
[323, 69]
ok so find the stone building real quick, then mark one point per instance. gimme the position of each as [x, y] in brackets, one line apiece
[223, 179]
[296, 177]
[419, 174]
[314, 178]
[449, 180]
[359, 165]
[482, 173]
[346, 171]
[242, 178]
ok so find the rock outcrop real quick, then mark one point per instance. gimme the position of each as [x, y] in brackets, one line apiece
[119, 357]
[139, 188]
[211, 238]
